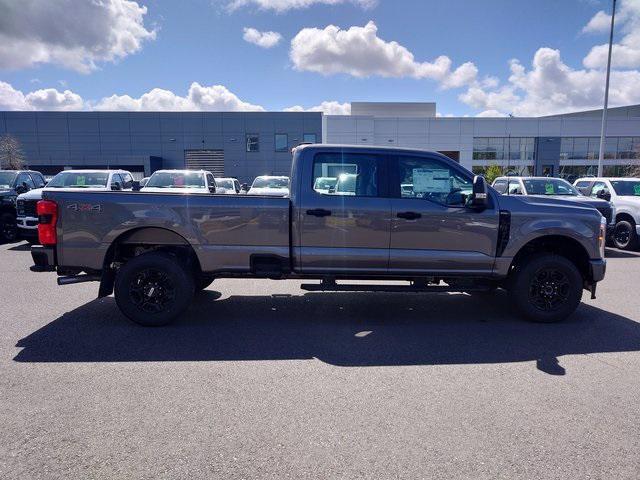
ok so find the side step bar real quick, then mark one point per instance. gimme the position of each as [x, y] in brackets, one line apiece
[68, 280]
[329, 286]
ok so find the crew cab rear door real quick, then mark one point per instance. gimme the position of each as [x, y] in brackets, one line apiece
[343, 228]
[432, 230]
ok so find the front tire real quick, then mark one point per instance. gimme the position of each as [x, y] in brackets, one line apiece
[153, 289]
[625, 236]
[8, 227]
[547, 288]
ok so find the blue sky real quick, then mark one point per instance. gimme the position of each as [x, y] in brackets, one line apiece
[176, 43]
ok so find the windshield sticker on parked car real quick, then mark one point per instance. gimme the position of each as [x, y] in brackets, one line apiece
[548, 189]
[430, 180]
[636, 189]
[80, 180]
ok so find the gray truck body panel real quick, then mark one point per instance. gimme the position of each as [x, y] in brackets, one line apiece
[362, 237]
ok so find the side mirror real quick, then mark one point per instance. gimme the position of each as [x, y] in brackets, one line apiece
[116, 186]
[244, 187]
[212, 189]
[22, 188]
[480, 196]
[604, 195]
[135, 186]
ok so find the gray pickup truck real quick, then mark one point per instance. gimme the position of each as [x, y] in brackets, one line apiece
[407, 215]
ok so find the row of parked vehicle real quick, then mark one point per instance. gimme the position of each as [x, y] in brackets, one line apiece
[617, 199]
[20, 190]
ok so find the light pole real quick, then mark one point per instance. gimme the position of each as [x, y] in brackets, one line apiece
[606, 93]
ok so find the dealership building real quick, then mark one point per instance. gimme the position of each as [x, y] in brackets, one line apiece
[247, 144]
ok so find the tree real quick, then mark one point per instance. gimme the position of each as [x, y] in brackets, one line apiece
[11, 156]
[492, 172]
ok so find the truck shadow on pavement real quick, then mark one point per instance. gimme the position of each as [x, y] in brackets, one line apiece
[343, 329]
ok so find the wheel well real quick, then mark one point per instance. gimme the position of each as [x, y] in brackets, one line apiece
[556, 244]
[138, 241]
[625, 216]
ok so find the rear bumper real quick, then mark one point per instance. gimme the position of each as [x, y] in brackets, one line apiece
[44, 258]
[597, 269]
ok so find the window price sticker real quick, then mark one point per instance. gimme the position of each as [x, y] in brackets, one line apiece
[431, 180]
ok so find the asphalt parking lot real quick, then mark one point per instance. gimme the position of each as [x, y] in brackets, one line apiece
[263, 380]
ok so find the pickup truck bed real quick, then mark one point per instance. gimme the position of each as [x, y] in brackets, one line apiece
[410, 215]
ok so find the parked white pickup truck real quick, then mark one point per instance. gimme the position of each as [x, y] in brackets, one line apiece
[624, 194]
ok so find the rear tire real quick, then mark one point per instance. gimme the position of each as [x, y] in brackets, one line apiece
[8, 227]
[547, 288]
[153, 289]
[625, 236]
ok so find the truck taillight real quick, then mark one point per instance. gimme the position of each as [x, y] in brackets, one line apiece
[47, 219]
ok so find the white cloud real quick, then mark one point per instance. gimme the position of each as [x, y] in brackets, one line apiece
[600, 22]
[359, 52]
[261, 39]
[74, 34]
[44, 99]
[490, 113]
[327, 107]
[551, 87]
[198, 98]
[626, 52]
[281, 6]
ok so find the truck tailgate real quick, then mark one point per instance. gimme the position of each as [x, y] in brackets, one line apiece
[224, 230]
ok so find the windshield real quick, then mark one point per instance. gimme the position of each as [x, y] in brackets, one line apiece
[6, 179]
[224, 183]
[176, 180]
[270, 182]
[549, 186]
[79, 180]
[626, 188]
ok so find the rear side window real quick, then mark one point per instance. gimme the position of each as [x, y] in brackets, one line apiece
[25, 178]
[346, 174]
[583, 186]
[500, 186]
[38, 179]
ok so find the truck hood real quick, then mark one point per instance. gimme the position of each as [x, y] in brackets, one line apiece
[270, 192]
[173, 190]
[34, 194]
[567, 205]
[581, 199]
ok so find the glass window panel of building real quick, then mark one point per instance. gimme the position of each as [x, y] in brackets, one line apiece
[514, 155]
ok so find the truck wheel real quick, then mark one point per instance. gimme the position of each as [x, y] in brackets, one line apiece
[153, 289]
[625, 236]
[547, 288]
[8, 227]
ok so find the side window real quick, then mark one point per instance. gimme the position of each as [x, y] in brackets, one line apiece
[24, 177]
[583, 186]
[38, 180]
[346, 174]
[127, 181]
[597, 188]
[514, 187]
[116, 178]
[500, 186]
[430, 179]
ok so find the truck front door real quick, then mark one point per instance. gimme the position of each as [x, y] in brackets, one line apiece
[344, 214]
[431, 229]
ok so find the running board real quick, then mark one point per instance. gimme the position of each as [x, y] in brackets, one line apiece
[334, 287]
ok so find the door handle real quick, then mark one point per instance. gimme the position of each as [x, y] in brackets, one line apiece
[409, 215]
[319, 212]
